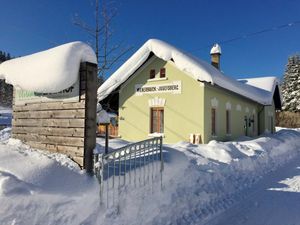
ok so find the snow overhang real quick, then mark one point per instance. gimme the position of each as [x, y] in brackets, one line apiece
[48, 71]
[270, 85]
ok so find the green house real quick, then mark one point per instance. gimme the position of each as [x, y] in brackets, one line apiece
[163, 91]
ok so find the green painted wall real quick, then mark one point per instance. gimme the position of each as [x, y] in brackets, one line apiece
[247, 108]
[189, 112]
[183, 113]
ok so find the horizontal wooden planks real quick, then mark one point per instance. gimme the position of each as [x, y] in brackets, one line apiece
[49, 106]
[53, 114]
[48, 123]
[52, 131]
[63, 127]
[75, 153]
[72, 151]
[54, 140]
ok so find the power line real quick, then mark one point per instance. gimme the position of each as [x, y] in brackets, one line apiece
[226, 41]
[278, 27]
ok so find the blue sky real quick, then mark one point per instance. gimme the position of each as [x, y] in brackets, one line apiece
[192, 25]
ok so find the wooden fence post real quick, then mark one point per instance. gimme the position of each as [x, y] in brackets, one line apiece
[90, 115]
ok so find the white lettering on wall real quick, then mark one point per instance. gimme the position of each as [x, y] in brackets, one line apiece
[174, 88]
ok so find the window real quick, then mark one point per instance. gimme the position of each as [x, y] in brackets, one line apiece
[228, 121]
[157, 120]
[152, 74]
[162, 72]
[213, 121]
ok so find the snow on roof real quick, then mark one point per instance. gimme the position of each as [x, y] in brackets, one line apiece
[48, 71]
[216, 49]
[194, 67]
[103, 117]
[265, 83]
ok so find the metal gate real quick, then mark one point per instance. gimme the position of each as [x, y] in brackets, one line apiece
[136, 165]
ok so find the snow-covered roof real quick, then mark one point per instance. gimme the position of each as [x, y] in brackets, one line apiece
[48, 71]
[103, 117]
[194, 67]
[265, 83]
[268, 84]
[216, 49]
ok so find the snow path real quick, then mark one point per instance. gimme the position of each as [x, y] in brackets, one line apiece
[274, 200]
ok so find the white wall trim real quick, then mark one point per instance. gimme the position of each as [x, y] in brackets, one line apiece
[228, 106]
[214, 102]
[247, 110]
[157, 102]
[238, 107]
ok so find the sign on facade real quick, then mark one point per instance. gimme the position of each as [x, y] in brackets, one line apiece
[70, 94]
[174, 88]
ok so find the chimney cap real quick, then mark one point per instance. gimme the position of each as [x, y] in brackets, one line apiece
[216, 49]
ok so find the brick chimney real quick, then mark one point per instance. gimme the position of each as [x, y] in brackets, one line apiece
[215, 53]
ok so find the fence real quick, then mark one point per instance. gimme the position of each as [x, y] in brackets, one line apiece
[136, 164]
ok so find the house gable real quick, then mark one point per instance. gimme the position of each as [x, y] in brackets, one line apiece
[183, 108]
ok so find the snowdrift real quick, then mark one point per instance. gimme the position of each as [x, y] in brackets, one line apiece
[199, 182]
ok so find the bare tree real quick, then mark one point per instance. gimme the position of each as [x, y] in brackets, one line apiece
[107, 53]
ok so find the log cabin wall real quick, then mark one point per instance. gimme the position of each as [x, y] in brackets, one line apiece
[63, 127]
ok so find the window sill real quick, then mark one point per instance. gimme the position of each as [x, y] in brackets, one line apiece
[229, 135]
[157, 79]
[156, 135]
[214, 136]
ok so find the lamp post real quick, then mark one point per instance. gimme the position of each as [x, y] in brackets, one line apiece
[106, 137]
[103, 119]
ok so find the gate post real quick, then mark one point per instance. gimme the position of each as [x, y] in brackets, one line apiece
[89, 72]
[161, 154]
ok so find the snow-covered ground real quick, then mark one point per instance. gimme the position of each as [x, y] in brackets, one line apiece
[274, 200]
[218, 183]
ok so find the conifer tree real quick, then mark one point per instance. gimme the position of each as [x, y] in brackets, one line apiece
[291, 85]
[6, 90]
